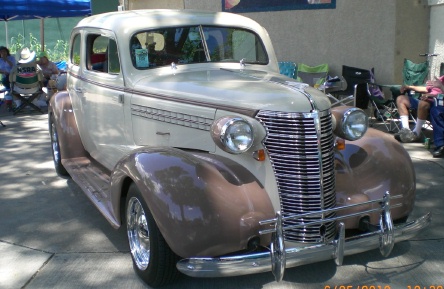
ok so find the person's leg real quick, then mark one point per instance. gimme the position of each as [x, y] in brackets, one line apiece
[422, 113]
[5, 81]
[437, 119]
[403, 103]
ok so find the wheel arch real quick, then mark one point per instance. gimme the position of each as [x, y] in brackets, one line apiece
[180, 190]
[60, 109]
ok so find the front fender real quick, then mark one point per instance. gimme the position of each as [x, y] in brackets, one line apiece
[60, 108]
[371, 166]
[204, 205]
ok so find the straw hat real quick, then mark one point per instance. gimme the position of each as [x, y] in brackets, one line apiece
[26, 55]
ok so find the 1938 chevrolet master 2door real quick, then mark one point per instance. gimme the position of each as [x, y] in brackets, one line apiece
[178, 126]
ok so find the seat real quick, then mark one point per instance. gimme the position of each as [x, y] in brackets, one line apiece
[366, 92]
[316, 76]
[385, 110]
[332, 86]
[287, 68]
[26, 85]
[354, 76]
[312, 75]
[412, 74]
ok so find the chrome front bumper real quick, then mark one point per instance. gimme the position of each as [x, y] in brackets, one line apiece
[280, 257]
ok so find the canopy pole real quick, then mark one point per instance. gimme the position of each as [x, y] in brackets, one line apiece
[23, 33]
[7, 34]
[60, 28]
[42, 33]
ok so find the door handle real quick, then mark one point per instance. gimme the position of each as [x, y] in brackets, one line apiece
[119, 98]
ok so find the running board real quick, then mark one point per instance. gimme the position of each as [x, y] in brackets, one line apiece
[94, 182]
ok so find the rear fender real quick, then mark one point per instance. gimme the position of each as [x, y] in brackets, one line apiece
[60, 108]
[203, 204]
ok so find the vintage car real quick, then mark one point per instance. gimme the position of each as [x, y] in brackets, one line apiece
[178, 126]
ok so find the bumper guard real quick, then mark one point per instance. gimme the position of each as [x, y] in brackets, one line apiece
[280, 257]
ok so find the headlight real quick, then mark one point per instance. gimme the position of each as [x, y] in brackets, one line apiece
[354, 124]
[232, 134]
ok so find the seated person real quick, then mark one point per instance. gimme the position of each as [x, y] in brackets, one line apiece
[28, 70]
[437, 119]
[49, 69]
[422, 105]
[7, 62]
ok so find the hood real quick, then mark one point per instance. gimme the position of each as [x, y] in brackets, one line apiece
[249, 89]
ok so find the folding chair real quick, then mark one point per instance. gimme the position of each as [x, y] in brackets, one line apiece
[354, 76]
[384, 109]
[316, 76]
[26, 85]
[366, 92]
[412, 74]
[312, 75]
[331, 86]
[287, 68]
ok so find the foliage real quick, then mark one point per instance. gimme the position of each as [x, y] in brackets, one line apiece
[57, 53]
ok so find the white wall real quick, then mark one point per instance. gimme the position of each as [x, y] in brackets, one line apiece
[437, 33]
[361, 33]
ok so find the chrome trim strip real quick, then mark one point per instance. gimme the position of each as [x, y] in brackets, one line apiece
[261, 262]
[171, 117]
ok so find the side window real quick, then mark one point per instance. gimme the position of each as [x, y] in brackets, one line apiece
[113, 58]
[102, 54]
[75, 50]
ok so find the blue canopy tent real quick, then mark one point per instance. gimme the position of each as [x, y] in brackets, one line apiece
[41, 9]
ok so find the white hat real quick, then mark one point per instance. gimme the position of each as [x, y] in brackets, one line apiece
[26, 55]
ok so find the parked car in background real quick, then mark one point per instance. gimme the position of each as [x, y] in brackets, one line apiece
[178, 126]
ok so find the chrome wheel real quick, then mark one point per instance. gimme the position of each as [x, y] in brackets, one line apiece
[138, 233]
[55, 143]
[55, 146]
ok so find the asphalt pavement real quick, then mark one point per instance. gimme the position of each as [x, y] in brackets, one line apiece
[51, 236]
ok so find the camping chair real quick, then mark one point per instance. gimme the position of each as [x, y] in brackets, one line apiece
[26, 85]
[412, 74]
[316, 76]
[331, 86]
[366, 92]
[385, 110]
[354, 76]
[312, 75]
[287, 68]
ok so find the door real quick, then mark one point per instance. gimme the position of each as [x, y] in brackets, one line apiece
[103, 99]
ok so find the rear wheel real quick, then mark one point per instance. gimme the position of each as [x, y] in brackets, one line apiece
[55, 146]
[153, 259]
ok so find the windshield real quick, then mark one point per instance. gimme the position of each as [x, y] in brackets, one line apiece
[197, 44]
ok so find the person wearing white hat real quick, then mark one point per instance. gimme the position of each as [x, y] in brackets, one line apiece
[29, 72]
[26, 55]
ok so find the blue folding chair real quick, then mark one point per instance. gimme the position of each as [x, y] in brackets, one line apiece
[287, 68]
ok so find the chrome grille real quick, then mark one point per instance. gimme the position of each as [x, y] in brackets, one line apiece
[300, 146]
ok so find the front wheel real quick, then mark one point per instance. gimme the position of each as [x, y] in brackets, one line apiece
[55, 146]
[153, 259]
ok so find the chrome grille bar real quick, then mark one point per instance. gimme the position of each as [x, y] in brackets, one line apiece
[300, 146]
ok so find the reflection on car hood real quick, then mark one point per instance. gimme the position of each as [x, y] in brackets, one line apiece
[250, 89]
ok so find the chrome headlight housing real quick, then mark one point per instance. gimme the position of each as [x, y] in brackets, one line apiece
[354, 124]
[233, 134]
